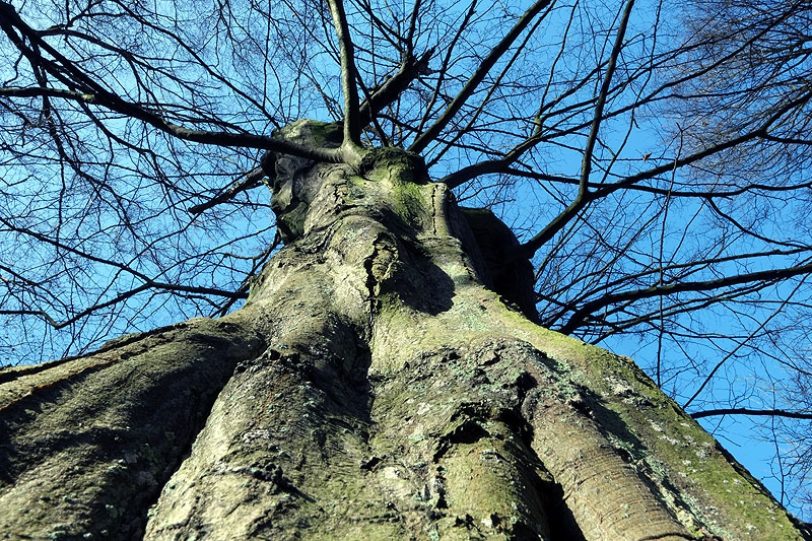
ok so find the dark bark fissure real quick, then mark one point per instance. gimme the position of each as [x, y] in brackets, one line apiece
[382, 382]
[507, 275]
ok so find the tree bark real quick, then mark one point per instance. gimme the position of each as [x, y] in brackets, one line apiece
[385, 380]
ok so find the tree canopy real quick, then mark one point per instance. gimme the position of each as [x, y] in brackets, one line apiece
[652, 156]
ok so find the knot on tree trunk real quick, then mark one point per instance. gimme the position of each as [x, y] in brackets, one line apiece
[290, 179]
[409, 166]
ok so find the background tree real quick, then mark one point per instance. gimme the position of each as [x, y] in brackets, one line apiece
[652, 160]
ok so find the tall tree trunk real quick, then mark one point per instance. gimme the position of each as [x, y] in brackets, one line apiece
[385, 380]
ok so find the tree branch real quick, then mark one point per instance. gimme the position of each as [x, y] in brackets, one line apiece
[680, 287]
[789, 414]
[582, 199]
[249, 180]
[479, 75]
[352, 122]
[531, 246]
[96, 94]
[124, 296]
[393, 87]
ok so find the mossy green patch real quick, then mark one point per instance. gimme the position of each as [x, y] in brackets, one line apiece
[379, 163]
[409, 203]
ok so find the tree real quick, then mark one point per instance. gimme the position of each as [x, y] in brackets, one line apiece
[390, 373]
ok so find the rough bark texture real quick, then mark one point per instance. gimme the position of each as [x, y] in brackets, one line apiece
[384, 381]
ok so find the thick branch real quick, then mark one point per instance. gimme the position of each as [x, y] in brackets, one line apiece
[582, 198]
[530, 247]
[586, 162]
[495, 166]
[352, 123]
[124, 296]
[393, 87]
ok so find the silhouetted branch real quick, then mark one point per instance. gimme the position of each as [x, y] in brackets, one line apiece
[752, 413]
[249, 180]
[467, 91]
[393, 87]
[352, 119]
[680, 287]
[90, 91]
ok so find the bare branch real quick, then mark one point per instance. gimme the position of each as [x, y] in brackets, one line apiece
[488, 62]
[352, 119]
[752, 413]
[249, 180]
[681, 287]
[393, 87]
[582, 198]
[94, 92]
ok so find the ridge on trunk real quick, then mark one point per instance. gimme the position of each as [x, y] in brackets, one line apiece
[385, 380]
